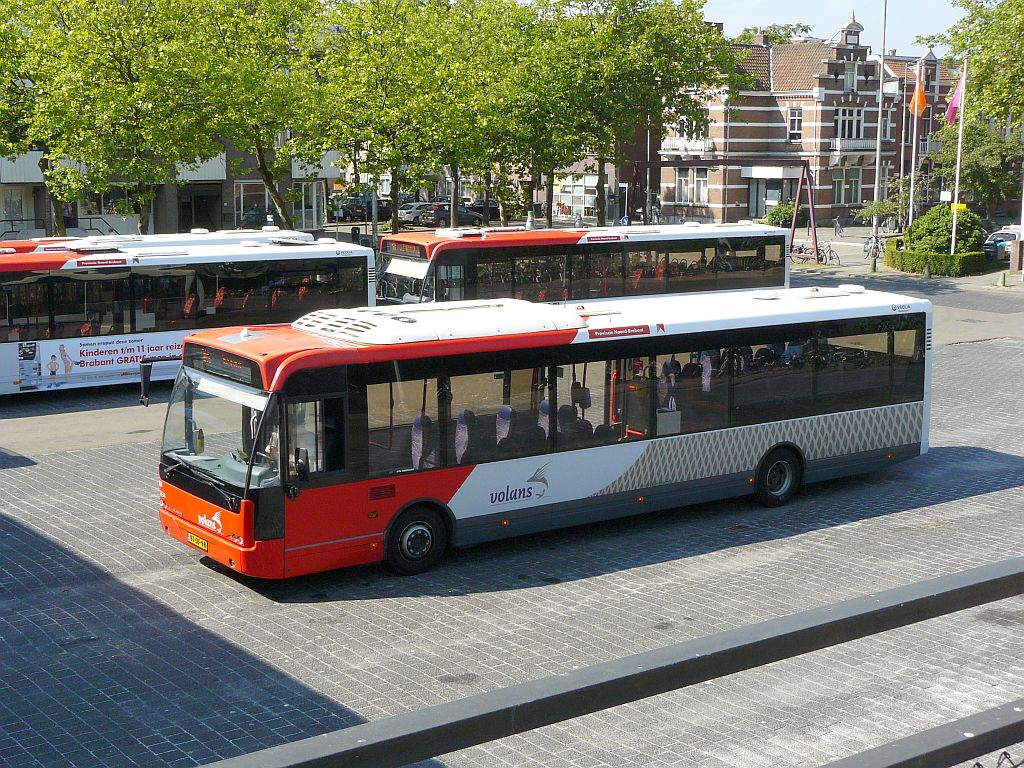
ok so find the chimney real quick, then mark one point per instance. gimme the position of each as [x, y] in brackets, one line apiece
[759, 38]
[891, 53]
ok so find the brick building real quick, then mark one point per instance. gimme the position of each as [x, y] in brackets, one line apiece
[815, 101]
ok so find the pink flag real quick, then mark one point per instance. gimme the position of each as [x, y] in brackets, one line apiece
[958, 95]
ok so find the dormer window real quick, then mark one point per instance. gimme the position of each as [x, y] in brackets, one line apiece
[850, 77]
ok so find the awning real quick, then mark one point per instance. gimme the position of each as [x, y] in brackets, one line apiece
[407, 268]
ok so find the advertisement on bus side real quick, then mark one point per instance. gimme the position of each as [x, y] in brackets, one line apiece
[78, 362]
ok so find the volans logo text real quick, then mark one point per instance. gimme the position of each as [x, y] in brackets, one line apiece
[535, 487]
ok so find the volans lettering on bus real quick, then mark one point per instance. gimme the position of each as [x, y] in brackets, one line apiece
[535, 487]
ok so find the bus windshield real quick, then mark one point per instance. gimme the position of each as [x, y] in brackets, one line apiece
[406, 282]
[217, 429]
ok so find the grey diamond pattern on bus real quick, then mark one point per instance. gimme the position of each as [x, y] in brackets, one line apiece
[707, 454]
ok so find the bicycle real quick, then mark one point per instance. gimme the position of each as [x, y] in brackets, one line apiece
[872, 248]
[827, 255]
[802, 253]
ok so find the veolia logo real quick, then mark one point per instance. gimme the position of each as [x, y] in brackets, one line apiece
[535, 487]
[900, 307]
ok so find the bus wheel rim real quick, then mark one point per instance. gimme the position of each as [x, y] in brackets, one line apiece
[416, 541]
[778, 478]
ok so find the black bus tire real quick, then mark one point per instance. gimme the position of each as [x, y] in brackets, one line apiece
[779, 477]
[417, 541]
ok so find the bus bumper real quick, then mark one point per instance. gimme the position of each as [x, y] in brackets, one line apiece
[265, 559]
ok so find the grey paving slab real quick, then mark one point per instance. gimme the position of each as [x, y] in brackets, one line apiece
[120, 648]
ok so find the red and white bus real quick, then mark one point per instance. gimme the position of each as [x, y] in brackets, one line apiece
[86, 314]
[355, 436]
[552, 265]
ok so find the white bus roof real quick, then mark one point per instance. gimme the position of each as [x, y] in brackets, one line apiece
[636, 317]
[248, 250]
[195, 237]
[633, 233]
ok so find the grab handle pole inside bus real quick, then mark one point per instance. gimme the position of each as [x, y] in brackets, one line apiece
[146, 373]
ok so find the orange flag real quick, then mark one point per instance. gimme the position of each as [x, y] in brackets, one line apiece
[918, 103]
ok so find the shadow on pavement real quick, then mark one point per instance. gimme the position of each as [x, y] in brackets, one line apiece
[11, 460]
[96, 673]
[942, 475]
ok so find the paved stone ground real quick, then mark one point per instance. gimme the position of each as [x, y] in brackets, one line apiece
[120, 648]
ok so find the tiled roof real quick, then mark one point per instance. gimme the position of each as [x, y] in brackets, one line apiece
[903, 67]
[755, 62]
[795, 66]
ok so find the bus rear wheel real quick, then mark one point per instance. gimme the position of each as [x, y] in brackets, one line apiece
[417, 541]
[779, 477]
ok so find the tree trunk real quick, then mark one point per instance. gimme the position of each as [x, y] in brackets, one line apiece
[283, 217]
[396, 199]
[601, 182]
[453, 200]
[487, 200]
[549, 198]
[145, 205]
[56, 205]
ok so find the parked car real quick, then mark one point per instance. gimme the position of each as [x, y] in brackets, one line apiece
[357, 209]
[412, 213]
[995, 243]
[494, 211]
[440, 216]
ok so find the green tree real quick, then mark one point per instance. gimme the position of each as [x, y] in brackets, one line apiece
[932, 232]
[647, 64]
[896, 203]
[259, 82]
[988, 32]
[989, 162]
[774, 34]
[113, 95]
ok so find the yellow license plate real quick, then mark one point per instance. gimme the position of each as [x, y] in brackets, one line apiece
[198, 543]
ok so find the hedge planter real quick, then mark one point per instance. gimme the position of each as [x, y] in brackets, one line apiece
[957, 265]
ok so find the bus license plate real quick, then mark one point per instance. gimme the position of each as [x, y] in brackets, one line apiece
[198, 543]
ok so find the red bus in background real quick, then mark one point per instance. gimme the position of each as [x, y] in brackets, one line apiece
[393, 433]
[78, 313]
[553, 265]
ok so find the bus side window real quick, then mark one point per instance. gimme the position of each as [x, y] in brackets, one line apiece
[317, 428]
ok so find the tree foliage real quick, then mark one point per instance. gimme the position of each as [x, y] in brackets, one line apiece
[932, 232]
[126, 92]
[774, 34]
[988, 32]
[989, 162]
[113, 86]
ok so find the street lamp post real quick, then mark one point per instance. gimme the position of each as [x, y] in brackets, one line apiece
[878, 133]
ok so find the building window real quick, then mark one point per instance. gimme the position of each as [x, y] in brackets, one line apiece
[853, 186]
[837, 187]
[251, 204]
[796, 123]
[308, 205]
[888, 124]
[692, 185]
[849, 123]
[850, 77]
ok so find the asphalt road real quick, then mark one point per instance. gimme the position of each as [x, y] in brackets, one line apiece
[120, 648]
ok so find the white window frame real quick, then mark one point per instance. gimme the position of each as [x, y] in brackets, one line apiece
[849, 123]
[796, 123]
[850, 77]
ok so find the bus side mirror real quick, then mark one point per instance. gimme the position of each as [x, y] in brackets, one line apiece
[145, 374]
[302, 464]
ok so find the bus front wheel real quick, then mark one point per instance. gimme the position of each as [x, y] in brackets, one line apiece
[779, 477]
[417, 541]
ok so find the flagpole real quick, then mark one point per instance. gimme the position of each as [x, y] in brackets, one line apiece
[878, 128]
[959, 148]
[913, 152]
